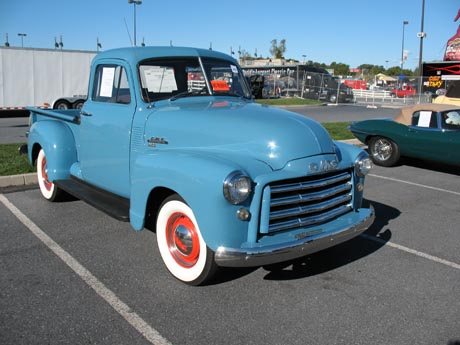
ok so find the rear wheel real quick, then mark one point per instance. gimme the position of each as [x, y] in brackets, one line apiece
[78, 104]
[383, 151]
[182, 248]
[48, 189]
[62, 105]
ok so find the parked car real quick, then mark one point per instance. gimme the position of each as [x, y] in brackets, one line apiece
[403, 91]
[170, 136]
[425, 131]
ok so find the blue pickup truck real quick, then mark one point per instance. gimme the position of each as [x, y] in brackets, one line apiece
[171, 137]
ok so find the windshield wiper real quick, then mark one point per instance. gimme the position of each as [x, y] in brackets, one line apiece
[188, 93]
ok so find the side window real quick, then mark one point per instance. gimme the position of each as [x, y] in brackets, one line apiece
[111, 85]
[424, 119]
[451, 120]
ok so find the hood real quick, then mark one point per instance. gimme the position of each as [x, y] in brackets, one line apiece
[229, 127]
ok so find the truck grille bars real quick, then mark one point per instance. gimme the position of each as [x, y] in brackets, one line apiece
[306, 201]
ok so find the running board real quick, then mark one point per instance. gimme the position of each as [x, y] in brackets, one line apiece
[112, 204]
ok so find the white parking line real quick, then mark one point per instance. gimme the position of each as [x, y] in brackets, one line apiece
[412, 251]
[120, 307]
[416, 184]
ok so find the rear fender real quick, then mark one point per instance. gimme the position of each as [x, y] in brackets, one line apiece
[58, 142]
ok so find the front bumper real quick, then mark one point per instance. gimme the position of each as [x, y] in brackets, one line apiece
[266, 255]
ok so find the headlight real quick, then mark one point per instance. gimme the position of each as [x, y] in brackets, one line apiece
[363, 164]
[237, 187]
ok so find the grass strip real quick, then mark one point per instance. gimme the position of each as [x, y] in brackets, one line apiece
[338, 130]
[11, 163]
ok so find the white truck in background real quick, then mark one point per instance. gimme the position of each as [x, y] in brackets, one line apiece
[43, 77]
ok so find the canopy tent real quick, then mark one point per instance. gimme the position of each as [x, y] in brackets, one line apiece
[385, 78]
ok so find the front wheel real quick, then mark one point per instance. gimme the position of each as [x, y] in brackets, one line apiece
[182, 248]
[383, 151]
[48, 189]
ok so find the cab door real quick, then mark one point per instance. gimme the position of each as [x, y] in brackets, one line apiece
[106, 128]
[425, 136]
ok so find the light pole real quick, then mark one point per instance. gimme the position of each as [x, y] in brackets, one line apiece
[135, 2]
[303, 61]
[22, 39]
[421, 35]
[402, 46]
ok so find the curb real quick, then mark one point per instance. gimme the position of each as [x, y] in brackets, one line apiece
[31, 179]
[355, 142]
[18, 180]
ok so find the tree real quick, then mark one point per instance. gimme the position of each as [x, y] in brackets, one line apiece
[278, 50]
[340, 68]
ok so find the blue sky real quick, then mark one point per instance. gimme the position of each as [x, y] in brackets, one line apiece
[353, 32]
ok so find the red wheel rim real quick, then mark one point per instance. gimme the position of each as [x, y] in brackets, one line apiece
[182, 240]
[48, 185]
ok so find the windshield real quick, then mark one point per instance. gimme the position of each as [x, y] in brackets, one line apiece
[183, 77]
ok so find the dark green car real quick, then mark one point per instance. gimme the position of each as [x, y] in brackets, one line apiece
[424, 131]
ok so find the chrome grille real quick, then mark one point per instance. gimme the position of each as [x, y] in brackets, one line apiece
[309, 200]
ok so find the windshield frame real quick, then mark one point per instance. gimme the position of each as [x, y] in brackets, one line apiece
[204, 63]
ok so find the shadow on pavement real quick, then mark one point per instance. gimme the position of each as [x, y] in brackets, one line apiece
[443, 168]
[341, 254]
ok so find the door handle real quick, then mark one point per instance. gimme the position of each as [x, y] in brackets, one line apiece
[84, 113]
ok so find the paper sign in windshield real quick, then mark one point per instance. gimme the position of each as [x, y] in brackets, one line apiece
[234, 69]
[108, 74]
[424, 119]
[160, 79]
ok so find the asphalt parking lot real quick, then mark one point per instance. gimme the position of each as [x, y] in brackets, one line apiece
[72, 275]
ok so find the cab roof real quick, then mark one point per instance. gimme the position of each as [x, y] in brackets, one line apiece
[135, 54]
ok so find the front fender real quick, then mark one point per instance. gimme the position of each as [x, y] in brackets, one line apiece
[198, 179]
[58, 142]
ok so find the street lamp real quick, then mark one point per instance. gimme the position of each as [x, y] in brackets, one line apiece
[421, 35]
[22, 39]
[304, 56]
[135, 2]
[402, 46]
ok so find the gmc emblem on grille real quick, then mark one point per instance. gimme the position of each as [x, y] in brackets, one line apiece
[323, 166]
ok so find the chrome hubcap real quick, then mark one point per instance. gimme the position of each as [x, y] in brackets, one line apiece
[183, 240]
[382, 149]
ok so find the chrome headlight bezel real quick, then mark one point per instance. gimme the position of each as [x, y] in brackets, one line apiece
[237, 187]
[363, 164]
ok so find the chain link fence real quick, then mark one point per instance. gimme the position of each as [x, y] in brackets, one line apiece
[297, 81]
[315, 83]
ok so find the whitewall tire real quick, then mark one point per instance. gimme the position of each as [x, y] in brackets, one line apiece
[182, 248]
[47, 188]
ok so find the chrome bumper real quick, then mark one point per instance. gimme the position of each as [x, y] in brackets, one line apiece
[229, 257]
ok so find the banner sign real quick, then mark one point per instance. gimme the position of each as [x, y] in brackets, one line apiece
[453, 45]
